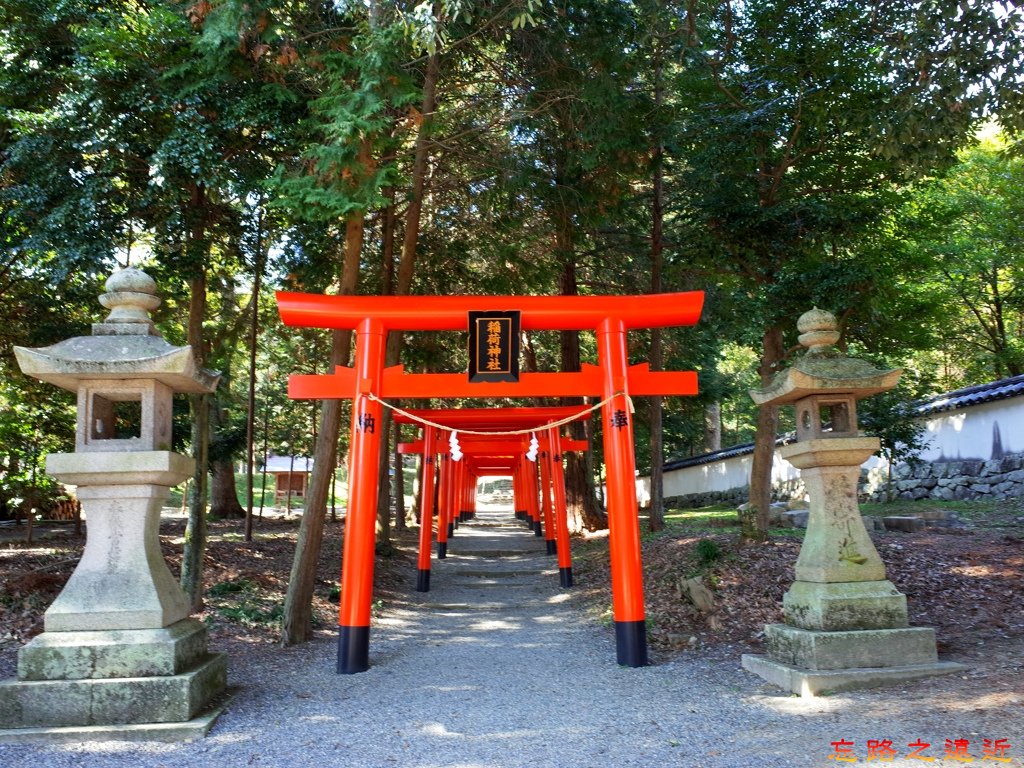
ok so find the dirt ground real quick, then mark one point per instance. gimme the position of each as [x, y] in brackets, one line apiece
[966, 582]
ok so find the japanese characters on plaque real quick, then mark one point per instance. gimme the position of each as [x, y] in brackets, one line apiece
[494, 346]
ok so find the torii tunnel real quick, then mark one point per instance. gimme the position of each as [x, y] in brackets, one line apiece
[368, 382]
[494, 454]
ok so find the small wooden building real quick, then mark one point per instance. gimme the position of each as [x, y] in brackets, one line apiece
[291, 477]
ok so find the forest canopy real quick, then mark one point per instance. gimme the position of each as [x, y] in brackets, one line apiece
[777, 154]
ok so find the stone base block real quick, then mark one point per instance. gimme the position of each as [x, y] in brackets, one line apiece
[905, 523]
[808, 682]
[845, 606]
[196, 728]
[177, 698]
[871, 648]
[113, 653]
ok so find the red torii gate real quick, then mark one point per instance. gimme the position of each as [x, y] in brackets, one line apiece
[614, 380]
[507, 452]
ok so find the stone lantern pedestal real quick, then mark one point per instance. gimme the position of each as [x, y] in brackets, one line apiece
[119, 658]
[846, 625]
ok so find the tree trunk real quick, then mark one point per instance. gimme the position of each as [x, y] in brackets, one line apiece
[580, 496]
[417, 488]
[656, 521]
[384, 482]
[250, 413]
[755, 519]
[713, 427]
[223, 494]
[419, 176]
[399, 484]
[195, 545]
[296, 623]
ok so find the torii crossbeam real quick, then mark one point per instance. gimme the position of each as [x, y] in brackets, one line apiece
[613, 380]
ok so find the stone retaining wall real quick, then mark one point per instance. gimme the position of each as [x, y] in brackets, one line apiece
[948, 480]
[941, 480]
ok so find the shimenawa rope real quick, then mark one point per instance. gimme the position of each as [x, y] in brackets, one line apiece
[558, 423]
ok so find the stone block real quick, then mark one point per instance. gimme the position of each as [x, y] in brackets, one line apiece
[872, 523]
[945, 515]
[922, 471]
[941, 494]
[797, 519]
[992, 467]
[939, 469]
[845, 606]
[904, 523]
[122, 581]
[970, 467]
[906, 485]
[177, 698]
[850, 650]
[928, 482]
[1010, 463]
[811, 683]
[919, 493]
[797, 504]
[186, 731]
[113, 653]
[982, 489]
[1016, 476]
[963, 493]
[902, 471]
[945, 482]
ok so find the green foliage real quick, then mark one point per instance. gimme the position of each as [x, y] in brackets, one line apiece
[707, 552]
[231, 587]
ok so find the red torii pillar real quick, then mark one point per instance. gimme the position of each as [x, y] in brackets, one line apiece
[614, 380]
[426, 510]
[561, 513]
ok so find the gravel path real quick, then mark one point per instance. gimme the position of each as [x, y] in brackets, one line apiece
[495, 668]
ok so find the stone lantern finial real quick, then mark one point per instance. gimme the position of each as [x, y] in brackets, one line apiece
[818, 331]
[130, 297]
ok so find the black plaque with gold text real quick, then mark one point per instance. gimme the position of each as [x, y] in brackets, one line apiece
[493, 346]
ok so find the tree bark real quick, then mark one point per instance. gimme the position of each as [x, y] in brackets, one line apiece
[250, 413]
[195, 529]
[656, 520]
[399, 484]
[223, 494]
[296, 623]
[384, 482]
[754, 520]
[713, 427]
[419, 177]
[580, 495]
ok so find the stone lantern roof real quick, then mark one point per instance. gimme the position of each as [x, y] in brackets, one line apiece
[823, 369]
[126, 345]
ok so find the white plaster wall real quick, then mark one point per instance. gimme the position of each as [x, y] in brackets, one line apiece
[985, 431]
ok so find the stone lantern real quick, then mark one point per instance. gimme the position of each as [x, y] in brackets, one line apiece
[119, 649]
[845, 625]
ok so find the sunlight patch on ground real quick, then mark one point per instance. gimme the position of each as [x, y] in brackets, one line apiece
[549, 619]
[494, 624]
[561, 597]
[36, 551]
[452, 688]
[438, 729]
